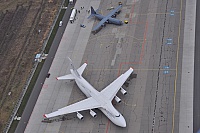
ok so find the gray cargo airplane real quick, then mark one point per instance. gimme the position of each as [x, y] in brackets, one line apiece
[109, 18]
[101, 100]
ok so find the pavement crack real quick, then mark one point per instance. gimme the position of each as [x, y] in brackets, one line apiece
[159, 67]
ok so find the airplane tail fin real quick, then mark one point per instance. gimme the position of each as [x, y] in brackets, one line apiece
[93, 12]
[73, 68]
[78, 72]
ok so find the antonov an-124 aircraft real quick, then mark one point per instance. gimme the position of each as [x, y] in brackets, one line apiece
[101, 100]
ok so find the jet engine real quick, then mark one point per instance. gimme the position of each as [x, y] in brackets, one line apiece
[124, 92]
[113, 16]
[118, 12]
[80, 116]
[117, 99]
[93, 114]
[103, 25]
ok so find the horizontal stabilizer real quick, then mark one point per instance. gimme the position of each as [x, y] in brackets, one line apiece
[69, 76]
[82, 68]
[92, 15]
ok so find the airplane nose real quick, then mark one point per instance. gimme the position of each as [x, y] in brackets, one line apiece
[123, 124]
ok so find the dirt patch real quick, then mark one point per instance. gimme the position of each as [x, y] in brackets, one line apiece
[20, 21]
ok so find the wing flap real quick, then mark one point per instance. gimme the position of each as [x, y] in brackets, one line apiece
[111, 90]
[89, 103]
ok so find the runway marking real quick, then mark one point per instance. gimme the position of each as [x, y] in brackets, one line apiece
[145, 69]
[132, 12]
[106, 35]
[169, 41]
[131, 105]
[158, 13]
[172, 12]
[166, 69]
[107, 125]
[177, 56]
[141, 56]
[101, 45]
[145, 34]
[45, 86]
[141, 53]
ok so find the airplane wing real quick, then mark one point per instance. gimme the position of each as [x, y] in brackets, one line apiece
[114, 11]
[100, 24]
[89, 103]
[111, 90]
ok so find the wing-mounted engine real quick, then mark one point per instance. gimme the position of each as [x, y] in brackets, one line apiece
[103, 25]
[80, 116]
[107, 21]
[92, 113]
[114, 15]
[124, 92]
[117, 99]
[118, 12]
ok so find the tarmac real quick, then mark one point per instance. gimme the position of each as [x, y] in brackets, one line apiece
[152, 43]
[187, 77]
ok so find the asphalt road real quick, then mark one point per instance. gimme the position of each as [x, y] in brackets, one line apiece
[196, 110]
[42, 76]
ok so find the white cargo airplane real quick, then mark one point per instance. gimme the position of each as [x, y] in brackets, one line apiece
[101, 100]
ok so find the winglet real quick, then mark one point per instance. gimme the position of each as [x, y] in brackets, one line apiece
[44, 116]
[131, 69]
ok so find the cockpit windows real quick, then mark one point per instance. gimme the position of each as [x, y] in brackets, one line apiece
[118, 115]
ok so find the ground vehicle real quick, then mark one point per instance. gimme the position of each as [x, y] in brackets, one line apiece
[73, 15]
[70, 2]
[60, 24]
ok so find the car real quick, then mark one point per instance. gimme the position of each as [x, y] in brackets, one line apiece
[48, 75]
[60, 24]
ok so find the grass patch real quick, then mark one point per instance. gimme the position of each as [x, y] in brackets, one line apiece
[54, 31]
[66, 3]
[37, 72]
[13, 126]
[30, 88]
[26, 96]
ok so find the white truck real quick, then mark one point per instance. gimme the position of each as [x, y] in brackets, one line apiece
[70, 2]
[73, 15]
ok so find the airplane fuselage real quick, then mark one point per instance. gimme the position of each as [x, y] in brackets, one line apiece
[107, 107]
[110, 19]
